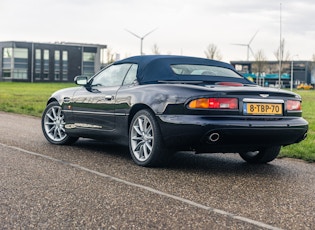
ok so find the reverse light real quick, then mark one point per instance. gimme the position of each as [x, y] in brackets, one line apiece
[293, 105]
[214, 103]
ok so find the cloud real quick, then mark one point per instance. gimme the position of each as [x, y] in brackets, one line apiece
[184, 26]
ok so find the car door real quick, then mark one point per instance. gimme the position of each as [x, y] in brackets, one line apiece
[93, 106]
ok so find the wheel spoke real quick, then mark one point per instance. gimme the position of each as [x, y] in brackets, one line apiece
[55, 133]
[146, 153]
[140, 122]
[148, 146]
[49, 123]
[141, 152]
[59, 113]
[51, 129]
[54, 113]
[145, 125]
[138, 146]
[137, 129]
[62, 129]
[136, 139]
[50, 117]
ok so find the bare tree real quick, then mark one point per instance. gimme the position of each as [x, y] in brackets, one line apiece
[212, 52]
[260, 62]
[110, 56]
[280, 52]
[281, 57]
[155, 49]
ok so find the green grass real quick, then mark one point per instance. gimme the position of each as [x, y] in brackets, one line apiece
[31, 98]
[27, 98]
[306, 149]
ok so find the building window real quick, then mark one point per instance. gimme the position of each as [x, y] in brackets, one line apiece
[88, 63]
[65, 65]
[15, 63]
[20, 63]
[7, 62]
[57, 65]
[38, 59]
[46, 65]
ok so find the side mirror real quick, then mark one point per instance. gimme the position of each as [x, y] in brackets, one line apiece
[81, 80]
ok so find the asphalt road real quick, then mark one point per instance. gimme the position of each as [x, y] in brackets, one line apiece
[94, 185]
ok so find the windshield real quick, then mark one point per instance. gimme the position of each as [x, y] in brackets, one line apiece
[187, 69]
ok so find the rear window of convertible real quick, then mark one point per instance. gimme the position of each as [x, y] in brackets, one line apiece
[187, 69]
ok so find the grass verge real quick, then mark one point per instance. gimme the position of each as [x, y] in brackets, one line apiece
[306, 149]
[30, 99]
[27, 98]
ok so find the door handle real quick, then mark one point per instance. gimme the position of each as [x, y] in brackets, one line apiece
[109, 97]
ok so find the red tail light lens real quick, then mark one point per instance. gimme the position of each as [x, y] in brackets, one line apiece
[214, 103]
[294, 105]
[229, 83]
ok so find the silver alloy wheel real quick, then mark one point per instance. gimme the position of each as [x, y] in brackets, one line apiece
[54, 124]
[142, 138]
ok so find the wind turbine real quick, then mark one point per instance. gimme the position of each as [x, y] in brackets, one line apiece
[249, 49]
[141, 38]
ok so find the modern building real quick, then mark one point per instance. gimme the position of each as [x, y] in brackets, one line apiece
[48, 62]
[267, 73]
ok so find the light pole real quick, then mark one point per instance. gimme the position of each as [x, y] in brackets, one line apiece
[141, 38]
[291, 82]
[280, 48]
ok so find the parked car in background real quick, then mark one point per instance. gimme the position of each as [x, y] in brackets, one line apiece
[304, 86]
[161, 104]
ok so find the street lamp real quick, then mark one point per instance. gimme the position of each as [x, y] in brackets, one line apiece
[141, 38]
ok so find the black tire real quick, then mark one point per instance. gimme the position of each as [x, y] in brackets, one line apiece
[53, 125]
[261, 156]
[145, 141]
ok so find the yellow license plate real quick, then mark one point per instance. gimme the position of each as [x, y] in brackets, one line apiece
[262, 109]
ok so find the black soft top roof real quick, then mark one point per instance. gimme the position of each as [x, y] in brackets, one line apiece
[154, 68]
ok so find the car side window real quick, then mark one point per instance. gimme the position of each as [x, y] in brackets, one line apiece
[131, 75]
[111, 76]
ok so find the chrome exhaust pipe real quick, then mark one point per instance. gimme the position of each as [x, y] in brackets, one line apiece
[301, 138]
[214, 137]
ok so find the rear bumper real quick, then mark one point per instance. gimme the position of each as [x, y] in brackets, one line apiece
[223, 134]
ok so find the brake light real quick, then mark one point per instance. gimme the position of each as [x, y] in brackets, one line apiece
[229, 83]
[293, 105]
[214, 103]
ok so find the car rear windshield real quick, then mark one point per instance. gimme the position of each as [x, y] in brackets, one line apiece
[188, 69]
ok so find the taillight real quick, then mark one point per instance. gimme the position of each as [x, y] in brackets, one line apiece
[214, 103]
[293, 105]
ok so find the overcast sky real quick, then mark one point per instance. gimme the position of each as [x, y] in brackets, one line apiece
[184, 27]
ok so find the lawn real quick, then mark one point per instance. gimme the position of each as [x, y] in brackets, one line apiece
[30, 99]
[27, 98]
[306, 149]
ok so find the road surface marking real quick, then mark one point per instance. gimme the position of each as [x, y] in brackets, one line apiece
[183, 200]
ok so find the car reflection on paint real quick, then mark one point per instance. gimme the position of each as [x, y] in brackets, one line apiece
[160, 104]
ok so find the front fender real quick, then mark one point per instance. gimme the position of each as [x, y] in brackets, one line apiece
[61, 95]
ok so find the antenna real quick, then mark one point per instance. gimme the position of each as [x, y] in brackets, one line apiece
[141, 38]
[249, 49]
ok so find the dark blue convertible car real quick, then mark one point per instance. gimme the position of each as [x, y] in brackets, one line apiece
[161, 104]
